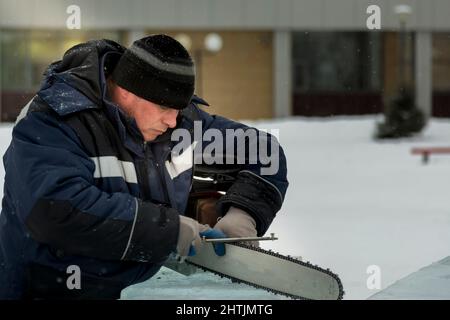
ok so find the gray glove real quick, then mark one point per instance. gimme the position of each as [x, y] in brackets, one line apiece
[237, 223]
[189, 235]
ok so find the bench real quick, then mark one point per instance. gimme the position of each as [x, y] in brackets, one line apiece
[426, 152]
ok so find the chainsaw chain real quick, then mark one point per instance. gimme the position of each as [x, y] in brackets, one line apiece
[275, 254]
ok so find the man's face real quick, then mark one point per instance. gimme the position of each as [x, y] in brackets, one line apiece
[151, 119]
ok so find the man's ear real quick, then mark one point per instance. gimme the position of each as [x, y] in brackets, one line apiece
[118, 94]
[123, 93]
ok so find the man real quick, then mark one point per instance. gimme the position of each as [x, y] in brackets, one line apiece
[92, 183]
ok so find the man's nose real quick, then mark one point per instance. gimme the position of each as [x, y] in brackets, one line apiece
[170, 118]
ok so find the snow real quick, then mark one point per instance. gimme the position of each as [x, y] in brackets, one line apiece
[169, 285]
[352, 203]
[429, 283]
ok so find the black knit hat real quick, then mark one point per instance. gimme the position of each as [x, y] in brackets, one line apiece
[159, 69]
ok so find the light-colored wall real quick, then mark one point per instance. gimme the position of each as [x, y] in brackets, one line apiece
[283, 74]
[423, 70]
[220, 14]
[238, 80]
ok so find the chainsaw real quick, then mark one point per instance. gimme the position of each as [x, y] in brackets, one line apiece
[245, 263]
[268, 270]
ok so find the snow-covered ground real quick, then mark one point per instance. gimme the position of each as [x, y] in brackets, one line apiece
[429, 283]
[352, 203]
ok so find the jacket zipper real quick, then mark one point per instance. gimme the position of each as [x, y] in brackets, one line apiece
[144, 178]
[151, 161]
[163, 179]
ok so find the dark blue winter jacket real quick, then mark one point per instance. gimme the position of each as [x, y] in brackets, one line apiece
[83, 188]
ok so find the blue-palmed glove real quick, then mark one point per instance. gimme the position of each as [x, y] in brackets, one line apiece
[189, 237]
[219, 247]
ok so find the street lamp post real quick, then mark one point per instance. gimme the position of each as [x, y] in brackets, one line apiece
[402, 117]
[403, 11]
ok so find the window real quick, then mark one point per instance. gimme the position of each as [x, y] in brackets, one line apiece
[337, 61]
[24, 56]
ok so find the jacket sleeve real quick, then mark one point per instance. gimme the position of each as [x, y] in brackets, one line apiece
[261, 183]
[51, 179]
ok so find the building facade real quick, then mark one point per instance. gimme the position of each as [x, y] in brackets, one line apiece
[278, 57]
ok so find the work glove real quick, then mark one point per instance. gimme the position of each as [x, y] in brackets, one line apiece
[219, 247]
[237, 223]
[189, 237]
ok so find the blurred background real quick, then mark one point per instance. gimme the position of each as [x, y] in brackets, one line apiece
[316, 72]
[268, 58]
